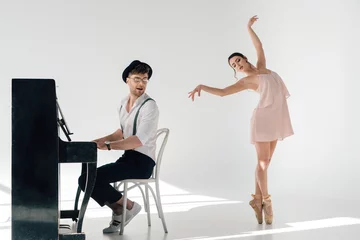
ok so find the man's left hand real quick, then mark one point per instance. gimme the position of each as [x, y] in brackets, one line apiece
[101, 145]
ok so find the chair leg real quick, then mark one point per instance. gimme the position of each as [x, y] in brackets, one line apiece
[155, 199]
[124, 209]
[117, 186]
[160, 207]
[143, 195]
[148, 204]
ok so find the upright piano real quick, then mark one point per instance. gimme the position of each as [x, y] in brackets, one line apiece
[37, 151]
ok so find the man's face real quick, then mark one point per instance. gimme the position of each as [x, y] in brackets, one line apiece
[137, 83]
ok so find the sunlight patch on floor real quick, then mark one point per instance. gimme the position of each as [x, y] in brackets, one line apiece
[298, 226]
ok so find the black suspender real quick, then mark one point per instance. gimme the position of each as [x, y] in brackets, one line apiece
[136, 116]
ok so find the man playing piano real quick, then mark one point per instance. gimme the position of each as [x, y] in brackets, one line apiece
[139, 143]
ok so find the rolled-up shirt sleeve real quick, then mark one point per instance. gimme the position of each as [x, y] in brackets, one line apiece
[147, 122]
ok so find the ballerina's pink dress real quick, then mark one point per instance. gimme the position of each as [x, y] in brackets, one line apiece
[271, 118]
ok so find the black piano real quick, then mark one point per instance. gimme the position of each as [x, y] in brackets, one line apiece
[37, 151]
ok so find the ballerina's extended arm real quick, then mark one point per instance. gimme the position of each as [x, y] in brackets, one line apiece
[261, 62]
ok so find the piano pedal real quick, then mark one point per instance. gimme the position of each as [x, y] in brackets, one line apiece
[66, 226]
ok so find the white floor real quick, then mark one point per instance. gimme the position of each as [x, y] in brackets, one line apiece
[196, 217]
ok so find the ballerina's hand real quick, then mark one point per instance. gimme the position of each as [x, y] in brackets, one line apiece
[193, 92]
[252, 20]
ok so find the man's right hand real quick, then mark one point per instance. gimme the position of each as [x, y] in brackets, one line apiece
[100, 142]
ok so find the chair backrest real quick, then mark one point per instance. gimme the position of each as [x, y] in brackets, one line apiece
[160, 132]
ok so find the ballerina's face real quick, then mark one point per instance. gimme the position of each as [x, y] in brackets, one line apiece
[238, 63]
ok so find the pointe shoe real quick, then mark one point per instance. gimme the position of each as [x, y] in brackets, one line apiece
[268, 212]
[257, 205]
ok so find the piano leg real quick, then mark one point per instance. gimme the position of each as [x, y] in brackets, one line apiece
[89, 186]
[83, 170]
[76, 203]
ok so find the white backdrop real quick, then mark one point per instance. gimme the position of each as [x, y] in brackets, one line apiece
[85, 45]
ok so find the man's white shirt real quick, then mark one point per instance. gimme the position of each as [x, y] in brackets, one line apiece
[146, 126]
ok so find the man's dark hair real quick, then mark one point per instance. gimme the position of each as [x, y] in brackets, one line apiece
[142, 68]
